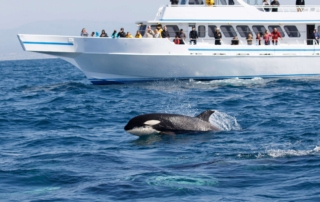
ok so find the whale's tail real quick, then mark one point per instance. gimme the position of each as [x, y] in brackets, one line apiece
[205, 116]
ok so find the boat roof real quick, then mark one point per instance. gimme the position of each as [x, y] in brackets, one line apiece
[239, 14]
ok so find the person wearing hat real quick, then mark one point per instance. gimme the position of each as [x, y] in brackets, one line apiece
[193, 36]
[218, 36]
[316, 36]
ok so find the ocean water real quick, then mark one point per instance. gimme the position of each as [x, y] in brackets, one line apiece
[62, 138]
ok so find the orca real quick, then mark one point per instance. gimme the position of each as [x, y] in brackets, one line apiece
[170, 124]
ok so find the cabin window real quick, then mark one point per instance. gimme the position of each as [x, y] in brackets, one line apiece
[153, 27]
[202, 31]
[292, 31]
[271, 27]
[195, 2]
[259, 29]
[173, 30]
[183, 2]
[319, 29]
[142, 29]
[228, 31]
[211, 30]
[244, 30]
[224, 2]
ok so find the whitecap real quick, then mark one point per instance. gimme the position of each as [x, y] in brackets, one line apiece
[276, 153]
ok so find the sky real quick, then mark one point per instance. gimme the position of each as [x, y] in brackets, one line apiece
[68, 17]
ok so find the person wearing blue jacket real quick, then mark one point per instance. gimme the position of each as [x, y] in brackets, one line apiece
[316, 36]
[114, 34]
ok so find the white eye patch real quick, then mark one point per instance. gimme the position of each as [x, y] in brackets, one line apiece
[152, 122]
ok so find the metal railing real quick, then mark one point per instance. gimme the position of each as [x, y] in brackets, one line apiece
[255, 42]
[288, 8]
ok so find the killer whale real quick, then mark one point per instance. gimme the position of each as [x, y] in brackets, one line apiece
[159, 123]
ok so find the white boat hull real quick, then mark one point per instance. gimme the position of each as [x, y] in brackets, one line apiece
[106, 61]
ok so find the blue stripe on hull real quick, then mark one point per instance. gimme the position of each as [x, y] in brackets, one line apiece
[137, 80]
[48, 43]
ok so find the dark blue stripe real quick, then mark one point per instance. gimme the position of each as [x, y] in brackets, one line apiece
[48, 43]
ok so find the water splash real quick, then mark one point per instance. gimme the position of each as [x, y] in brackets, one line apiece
[234, 82]
[224, 121]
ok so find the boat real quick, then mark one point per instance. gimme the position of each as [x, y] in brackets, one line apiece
[122, 60]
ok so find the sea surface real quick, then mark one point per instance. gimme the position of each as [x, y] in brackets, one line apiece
[62, 138]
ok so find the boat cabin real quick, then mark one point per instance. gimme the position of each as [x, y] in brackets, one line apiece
[237, 18]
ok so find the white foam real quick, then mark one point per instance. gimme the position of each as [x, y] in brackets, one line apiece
[276, 153]
[224, 121]
[234, 82]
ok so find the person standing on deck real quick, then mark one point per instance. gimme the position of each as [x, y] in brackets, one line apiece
[266, 5]
[275, 35]
[165, 33]
[316, 36]
[193, 36]
[217, 35]
[182, 36]
[266, 38]
[275, 4]
[174, 2]
[300, 4]
[121, 34]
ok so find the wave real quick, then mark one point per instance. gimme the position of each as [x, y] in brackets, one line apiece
[276, 153]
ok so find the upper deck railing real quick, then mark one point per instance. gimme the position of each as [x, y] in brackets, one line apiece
[282, 8]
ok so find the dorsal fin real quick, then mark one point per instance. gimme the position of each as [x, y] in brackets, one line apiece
[204, 116]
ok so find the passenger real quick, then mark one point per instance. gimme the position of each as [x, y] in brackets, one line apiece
[174, 2]
[275, 35]
[266, 38]
[193, 35]
[138, 35]
[210, 2]
[128, 35]
[235, 41]
[149, 33]
[316, 36]
[258, 39]
[84, 32]
[165, 33]
[300, 4]
[103, 34]
[114, 34]
[275, 4]
[176, 40]
[217, 35]
[121, 34]
[156, 34]
[160, 30]
[93, 34]
[249, 39]
[265, 4]
[97, 34]
[182, 36]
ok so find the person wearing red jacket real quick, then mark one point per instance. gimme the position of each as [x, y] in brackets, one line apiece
[176, 40]
[275, 35]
